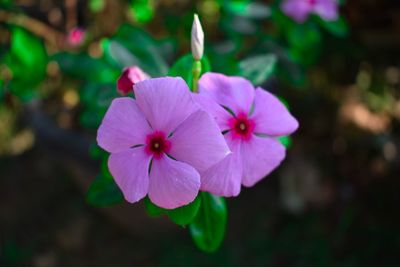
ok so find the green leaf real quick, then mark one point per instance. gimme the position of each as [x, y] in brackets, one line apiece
[258, 68]
[152, 209]
[144, 48]
[96, 5]
[96, 98]
[286, 141]
[142, 10]
[182, 216]
[86, 68]
[305, 43]
[116, 54]
[208, 228]
[185, 215]
[248, 9]
[104, 191]
[6, 3]
[338, 27]
[183, 68]
[27, 60]
[304, 36]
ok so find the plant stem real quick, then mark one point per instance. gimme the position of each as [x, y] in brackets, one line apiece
[196, 70]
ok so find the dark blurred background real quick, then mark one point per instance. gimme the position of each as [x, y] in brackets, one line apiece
[333, 202]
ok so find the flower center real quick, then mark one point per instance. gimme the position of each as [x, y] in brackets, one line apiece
[312, 2]
[157, 144]
[242, 127]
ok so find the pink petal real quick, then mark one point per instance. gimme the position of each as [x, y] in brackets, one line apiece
[123, 126]
[225, 177]
[198, 141]
[327, 9]
[297, 9]
[235, 93]
[218, 113]
[260, 156]
[130, 171]
[166, 102]
[172, 183]
[271, 117]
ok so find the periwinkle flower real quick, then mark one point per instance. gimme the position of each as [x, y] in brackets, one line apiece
[299, 10]
[251, 120]
[159, 142]
[129, 77]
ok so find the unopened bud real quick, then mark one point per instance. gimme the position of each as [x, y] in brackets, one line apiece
[129, 77]
[76, 36]
[197, 40]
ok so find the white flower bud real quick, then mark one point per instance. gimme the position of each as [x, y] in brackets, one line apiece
[197, 40]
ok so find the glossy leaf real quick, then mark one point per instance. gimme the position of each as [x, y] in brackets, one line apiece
[258, 68]
[185, 215]
[84, 67]
[208, 228]
[181, 216]
[118, 55]
[152, 209]
[143, 47]
[183, 68]
[286, 141]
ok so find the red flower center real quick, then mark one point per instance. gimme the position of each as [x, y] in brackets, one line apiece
[157, 144]
[312, 2]
[242, 127]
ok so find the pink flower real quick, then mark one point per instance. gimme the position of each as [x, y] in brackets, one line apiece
[129, 77]
[76, 36]
[251, 120]
[299, 10]
[160, 142]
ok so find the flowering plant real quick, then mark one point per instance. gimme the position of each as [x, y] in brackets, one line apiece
[187, 150]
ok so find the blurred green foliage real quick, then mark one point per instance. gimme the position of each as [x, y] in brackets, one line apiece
[27, 61]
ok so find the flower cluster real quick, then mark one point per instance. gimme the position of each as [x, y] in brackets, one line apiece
[299, 10]
[160, 142]
[169, 143]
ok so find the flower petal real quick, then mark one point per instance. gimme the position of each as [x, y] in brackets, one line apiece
[225, 177]
[130, 171]
[219, 114]
[198, 141]
[235, 93]
[172, 183]
[297, 9]
[327, 9]
[123, 126]
[260, 156]
[271, 117]
[166, 102]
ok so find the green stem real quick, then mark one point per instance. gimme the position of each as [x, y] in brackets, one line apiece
[196, 70]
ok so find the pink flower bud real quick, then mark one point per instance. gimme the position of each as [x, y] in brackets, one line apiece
[76, 36]
[129, 77]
